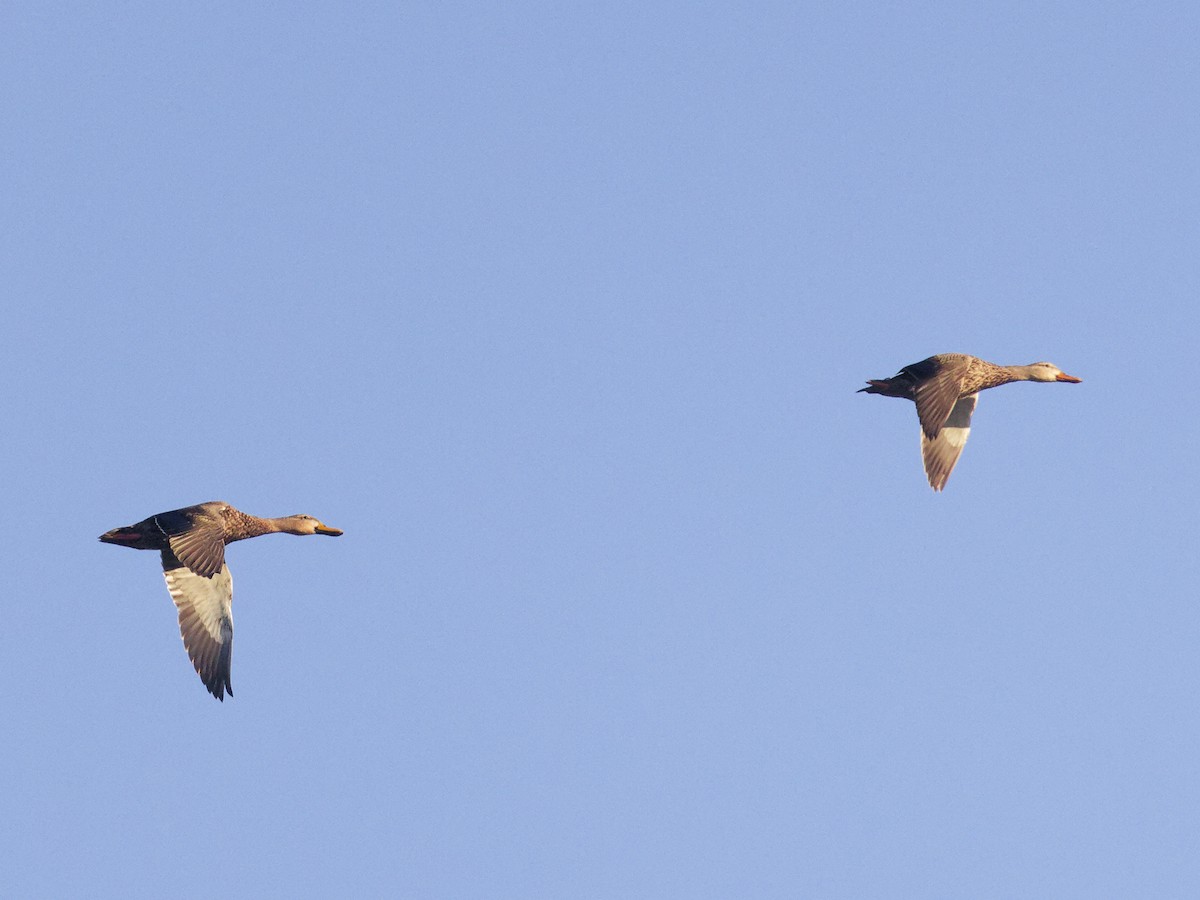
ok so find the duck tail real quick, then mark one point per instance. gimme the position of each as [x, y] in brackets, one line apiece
[881, 386]
[129, 536]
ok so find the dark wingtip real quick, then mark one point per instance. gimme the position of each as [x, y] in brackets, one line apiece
[219, 690]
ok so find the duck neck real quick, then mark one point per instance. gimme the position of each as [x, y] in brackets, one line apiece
[1020, 373]
[242, 526]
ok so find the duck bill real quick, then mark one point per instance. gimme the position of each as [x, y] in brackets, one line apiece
[332, 532]
[1063, 376]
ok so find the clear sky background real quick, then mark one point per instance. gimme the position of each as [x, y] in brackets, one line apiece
[559, 311]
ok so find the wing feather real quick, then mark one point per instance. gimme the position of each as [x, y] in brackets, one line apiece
[201, 548]
[942, 451]
[935, 397]
[205, 620]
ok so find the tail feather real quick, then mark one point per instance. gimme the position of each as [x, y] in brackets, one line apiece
[888, 387]
[127, 536]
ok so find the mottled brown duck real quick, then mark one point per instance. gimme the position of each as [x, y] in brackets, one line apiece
[946, 388]
[192, 542]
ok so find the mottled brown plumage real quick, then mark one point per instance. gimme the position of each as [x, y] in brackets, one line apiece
[192, 543]
[945, 389]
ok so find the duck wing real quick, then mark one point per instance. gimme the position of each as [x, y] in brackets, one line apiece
[205, 620]
[937, 391]
[201, 547]
[941, 452]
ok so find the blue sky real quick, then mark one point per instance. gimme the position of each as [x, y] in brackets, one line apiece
[559, 311]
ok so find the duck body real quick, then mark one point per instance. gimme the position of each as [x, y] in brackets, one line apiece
[192, 542]
[945, 389]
